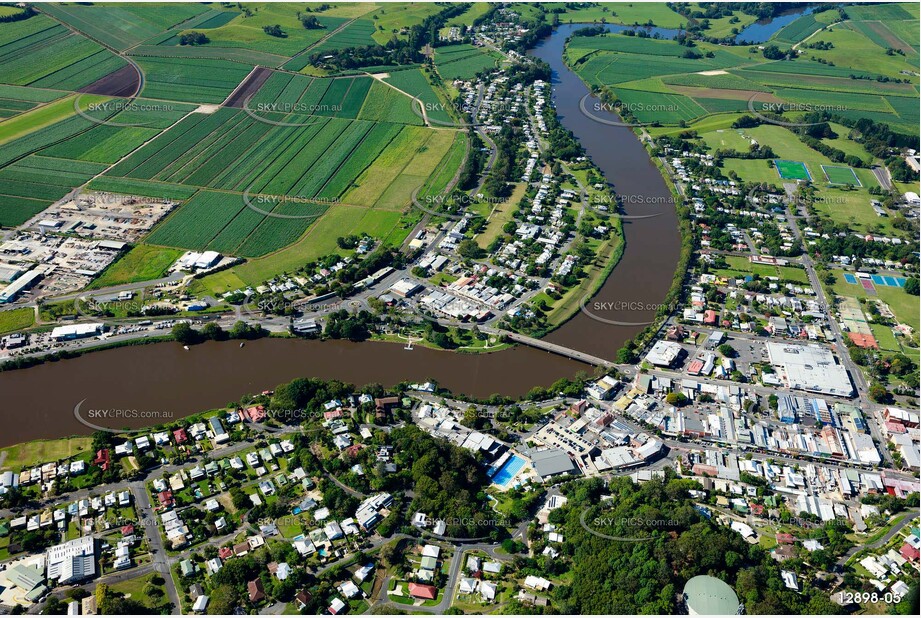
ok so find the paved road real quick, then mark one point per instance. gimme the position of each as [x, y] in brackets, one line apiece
[906, 519]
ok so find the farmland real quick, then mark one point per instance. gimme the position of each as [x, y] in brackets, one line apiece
[463, 61]
[414, 83]
[15, 100]
[664, 82]
[193, 80]
[125, 25]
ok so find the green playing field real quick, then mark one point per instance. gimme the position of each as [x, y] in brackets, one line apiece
[838, 175]
[792, 170]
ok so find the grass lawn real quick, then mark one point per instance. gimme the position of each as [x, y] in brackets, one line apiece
[727, 138]
[787, 273]
[141, 263]
[133, 588]
[852, 207]
[885, 338]
[500, 215]
[28, 454]
[753, 170]
[16, 319]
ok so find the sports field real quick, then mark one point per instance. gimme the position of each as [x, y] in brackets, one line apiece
[792, 170]
[838, 175]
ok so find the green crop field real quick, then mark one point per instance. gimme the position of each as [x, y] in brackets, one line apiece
[125, 25]
[463, 61]
[386, 104]
[193, 80]
[855, 76]
[222, 221]
[414, 83]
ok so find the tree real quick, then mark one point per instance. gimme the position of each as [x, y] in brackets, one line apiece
[192, 38]
[311, 23]
[727, 350]
[912, 286]
[676, 399]
[468, 249]
[274, 30]
[878, 393]
[185, 334]
[213, 331]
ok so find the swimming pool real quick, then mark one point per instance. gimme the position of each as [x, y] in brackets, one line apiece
[509, 469]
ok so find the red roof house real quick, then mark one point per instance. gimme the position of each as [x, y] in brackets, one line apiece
[255, 413]
[224, 553]
[165, 498]
[256, 591]
[423, 591]
[709, 316]
[180, 436]
[102, 459]
[910, 553]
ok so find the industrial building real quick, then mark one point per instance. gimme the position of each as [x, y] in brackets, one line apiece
[77, 331]
[810, 368]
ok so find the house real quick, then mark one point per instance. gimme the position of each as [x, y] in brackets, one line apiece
[423, 591]
[467, 585]
[420, 520]
[201, 603]
[302, 598]
[256, 591]
[488, 590]
[492, 567]
[909, 553]
[348, 589]
[537, 583]
[336, 607]
[431, 551]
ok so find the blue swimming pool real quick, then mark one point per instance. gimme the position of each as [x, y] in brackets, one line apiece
[508, 470]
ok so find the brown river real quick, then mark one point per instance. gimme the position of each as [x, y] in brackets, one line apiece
[164, 382]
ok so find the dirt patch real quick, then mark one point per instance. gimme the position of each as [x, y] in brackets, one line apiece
[888, 36]
[121, 83]
[248, 86]
[720, 72]
[723, 93]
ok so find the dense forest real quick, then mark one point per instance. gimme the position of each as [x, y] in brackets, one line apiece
[447, 482]
[647, 576]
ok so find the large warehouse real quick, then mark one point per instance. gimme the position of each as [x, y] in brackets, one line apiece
[705, 595]
[810, 368]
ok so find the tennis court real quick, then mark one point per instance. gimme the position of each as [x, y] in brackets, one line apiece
[792, 170]
[838, 175]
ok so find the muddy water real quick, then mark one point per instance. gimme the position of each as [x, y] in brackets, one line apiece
[641, 280]
[163, 381]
